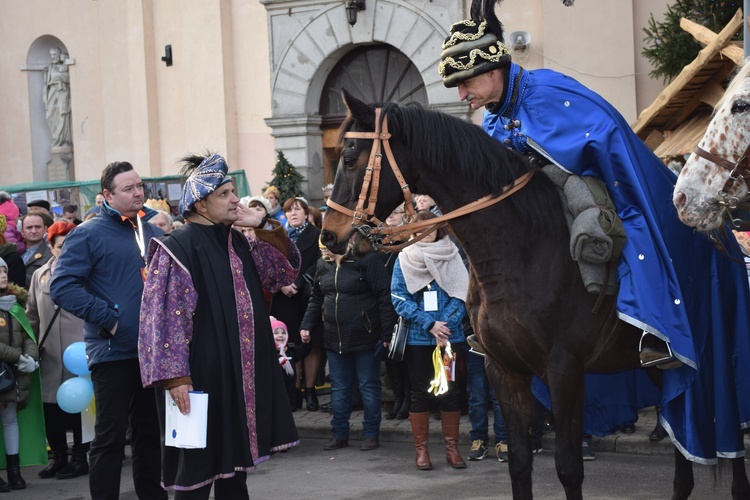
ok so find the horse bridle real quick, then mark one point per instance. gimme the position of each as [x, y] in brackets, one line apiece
[740, 170]
[382, 236]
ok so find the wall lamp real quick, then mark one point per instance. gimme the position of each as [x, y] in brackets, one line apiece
[167, 57]
[352, 7]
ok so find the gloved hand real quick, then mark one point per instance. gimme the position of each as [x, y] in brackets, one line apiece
[27, 364]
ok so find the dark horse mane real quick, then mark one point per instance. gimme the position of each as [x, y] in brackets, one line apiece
[475, 158]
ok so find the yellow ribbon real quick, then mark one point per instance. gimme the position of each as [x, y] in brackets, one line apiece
[440, 384]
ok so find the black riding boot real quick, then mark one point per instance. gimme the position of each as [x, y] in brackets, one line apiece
[311, 398]
[79, 464]
[393, 370]
[14, 472]
[59, 462]
[403, 412]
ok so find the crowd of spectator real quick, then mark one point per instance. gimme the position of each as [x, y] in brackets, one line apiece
[114, 280]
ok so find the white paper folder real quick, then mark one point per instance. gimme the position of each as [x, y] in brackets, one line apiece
[186, 431]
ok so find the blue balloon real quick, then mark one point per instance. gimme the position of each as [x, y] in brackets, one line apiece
[74, 359]
[74, 395]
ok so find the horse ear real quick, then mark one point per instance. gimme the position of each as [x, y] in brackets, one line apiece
[360, 111]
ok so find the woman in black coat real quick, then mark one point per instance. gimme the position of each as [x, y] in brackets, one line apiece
[289, 304]
[352, 299]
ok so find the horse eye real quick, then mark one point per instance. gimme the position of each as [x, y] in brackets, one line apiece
[740, 107]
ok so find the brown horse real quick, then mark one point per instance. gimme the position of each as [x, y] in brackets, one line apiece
[527, 303]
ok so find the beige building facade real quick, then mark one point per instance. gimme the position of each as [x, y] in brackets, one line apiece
[250, 77]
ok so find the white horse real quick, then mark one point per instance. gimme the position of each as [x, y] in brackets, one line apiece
[714, 181]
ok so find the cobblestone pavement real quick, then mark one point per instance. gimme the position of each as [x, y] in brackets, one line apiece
[316, 424]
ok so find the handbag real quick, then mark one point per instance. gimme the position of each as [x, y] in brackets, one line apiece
[398, 340]
[7, 376]
[46, 332]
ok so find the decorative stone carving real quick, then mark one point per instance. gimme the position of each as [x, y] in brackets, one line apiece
[56, 98]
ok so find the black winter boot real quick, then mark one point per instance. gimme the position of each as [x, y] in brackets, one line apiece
[403, 412]
[311, 398]
[4, 487]
[79, 464]
[393, 370]
[14, 472]
[59, 462]
[398, 402]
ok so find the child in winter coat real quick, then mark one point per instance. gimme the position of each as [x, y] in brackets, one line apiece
[19, 351]
[286, 359]
[11, 212]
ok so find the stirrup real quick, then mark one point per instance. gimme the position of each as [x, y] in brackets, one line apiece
[664, 360]
[474, 346]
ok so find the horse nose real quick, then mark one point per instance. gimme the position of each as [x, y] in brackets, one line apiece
[679, 199]
[327, 238]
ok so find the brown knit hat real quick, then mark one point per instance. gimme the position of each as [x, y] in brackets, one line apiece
[470, 50]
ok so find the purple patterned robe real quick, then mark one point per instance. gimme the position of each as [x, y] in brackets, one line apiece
[170, 313]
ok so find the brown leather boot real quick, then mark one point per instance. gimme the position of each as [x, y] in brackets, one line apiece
[420, 428]
[449, 419]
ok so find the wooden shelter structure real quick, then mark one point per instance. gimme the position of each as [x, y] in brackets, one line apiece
[677, 119]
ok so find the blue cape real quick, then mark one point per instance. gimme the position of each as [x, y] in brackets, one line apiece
[673, 282]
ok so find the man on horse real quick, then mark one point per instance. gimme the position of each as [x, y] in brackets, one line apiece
[673, 284]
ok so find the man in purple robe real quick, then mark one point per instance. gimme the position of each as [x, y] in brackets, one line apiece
[205, 327]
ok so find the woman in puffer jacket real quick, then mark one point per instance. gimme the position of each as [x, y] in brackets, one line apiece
[352, 300]
[19, 351]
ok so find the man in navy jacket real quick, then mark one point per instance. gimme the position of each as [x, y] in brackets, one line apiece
[99, 278]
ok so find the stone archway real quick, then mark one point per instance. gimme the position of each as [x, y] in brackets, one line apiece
[308, 39]
[372, 73]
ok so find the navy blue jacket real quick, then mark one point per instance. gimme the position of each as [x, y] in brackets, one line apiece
[101, 266]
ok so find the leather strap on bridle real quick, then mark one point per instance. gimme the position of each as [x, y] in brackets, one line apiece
[738, 171]
[371, 182]
[364, 220]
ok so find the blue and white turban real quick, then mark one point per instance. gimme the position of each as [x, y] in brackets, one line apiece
[210, 174]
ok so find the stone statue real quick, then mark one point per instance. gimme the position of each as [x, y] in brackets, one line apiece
[57, 99]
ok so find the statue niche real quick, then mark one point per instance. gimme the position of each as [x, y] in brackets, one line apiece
[56, 99]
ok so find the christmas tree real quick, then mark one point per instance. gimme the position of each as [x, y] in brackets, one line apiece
[286, 178]
[669, 48]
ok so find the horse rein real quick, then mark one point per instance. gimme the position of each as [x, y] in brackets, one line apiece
[383, 237]
[737, 171]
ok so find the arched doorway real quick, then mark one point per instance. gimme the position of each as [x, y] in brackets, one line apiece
[372, 73]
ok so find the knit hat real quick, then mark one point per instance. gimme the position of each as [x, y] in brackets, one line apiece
[59, 228]
[471, 50]
[246, 200]
[8, 209]
[3, 264]
[275, 324]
